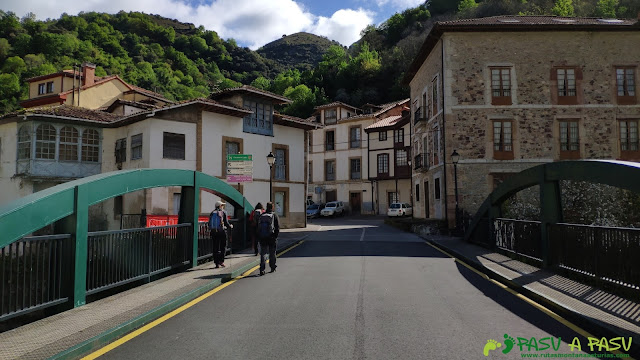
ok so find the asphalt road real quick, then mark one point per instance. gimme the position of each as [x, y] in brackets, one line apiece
[358, 290]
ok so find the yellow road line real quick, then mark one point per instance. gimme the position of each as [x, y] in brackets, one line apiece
[540, 307]
[173, 313]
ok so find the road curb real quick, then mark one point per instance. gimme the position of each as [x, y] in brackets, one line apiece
[117, 332]
[578, 319]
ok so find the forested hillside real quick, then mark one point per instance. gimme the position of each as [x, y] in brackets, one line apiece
[182, 61]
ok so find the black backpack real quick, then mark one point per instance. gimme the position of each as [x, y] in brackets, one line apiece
[266, 226]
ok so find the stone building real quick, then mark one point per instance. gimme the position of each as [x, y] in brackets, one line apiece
[511, 92]
[339, 156]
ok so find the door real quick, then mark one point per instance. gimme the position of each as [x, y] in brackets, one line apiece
[332, 195]
[426, 199]
[355, 201]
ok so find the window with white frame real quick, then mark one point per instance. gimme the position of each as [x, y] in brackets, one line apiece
[46, 142]
[24, 143]
[90, 145]
[136, 147]
[69, 144]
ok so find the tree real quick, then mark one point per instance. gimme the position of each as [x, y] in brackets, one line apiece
[261, 83]
[5, 48]
[14, 65]
[607, 8]
[466, 5]
[563, 8]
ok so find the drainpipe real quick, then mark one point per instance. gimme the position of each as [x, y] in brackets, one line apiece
[369, 169]
[444, 144]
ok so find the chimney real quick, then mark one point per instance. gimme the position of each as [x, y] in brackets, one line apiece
[88, 74]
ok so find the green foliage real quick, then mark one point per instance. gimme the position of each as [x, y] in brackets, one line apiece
[9, 92]
[607, 8]
[563, 8]
[466, 5]
[261, 83]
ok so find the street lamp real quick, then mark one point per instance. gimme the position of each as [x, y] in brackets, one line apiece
[270, 160]
[455, 157]
[410, 183]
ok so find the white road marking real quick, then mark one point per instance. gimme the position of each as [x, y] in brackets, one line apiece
[362, 236]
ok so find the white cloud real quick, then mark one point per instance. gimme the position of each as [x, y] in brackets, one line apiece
[251, 23]
[400, 4]
[344, 26]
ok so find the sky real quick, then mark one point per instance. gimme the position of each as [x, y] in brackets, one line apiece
[251, 23]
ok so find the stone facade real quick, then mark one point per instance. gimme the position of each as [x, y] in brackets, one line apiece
[532, 59]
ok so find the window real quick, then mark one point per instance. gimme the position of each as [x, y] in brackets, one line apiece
[434, 96]
[354, 137]
[355, 173]
[173, 146]
[501, 86]
[24, 143]
[502, 140]
[398, 136]
[280, 166]
[46, 142]
[392, 197]
[50, 87]
[436, 188]
[261, 121]
[232, 148]
[417, 192]
[68, 144]
[329, 138]
[330, 170]
[42, 89]
[330, 116]
[401, 158]
[176, 203]
[425, 106]
[90, 145]
[136, 147]
[569, 140]
[567, 80]
[383, 165]
[629, 138]
[117, 205]
[626, 85]
[280, 203]
[121, 150]
[382, 136]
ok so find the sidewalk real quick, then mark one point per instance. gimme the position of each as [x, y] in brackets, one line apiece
[601, 313]
[78, 331]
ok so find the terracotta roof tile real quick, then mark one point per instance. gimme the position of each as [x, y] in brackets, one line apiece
[67, 111]
[334, 104]
[251, 89]
[388, 121]
[527, 20]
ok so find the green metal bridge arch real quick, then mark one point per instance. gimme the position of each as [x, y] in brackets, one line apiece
[67, 206]
[620, 174]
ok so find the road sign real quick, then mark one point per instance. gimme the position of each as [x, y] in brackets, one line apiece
[239, 168]
[240, 157]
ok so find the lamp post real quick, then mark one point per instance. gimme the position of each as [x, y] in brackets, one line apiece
[270, 160]
[455, 157]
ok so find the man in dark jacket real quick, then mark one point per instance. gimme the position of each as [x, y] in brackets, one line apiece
[268, 230]
[219, 237]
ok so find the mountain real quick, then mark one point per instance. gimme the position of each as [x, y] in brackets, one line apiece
[301, 50]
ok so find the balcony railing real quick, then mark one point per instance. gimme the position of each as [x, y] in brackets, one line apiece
[421, 161]
[418, 115]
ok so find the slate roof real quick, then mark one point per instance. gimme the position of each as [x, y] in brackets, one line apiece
[69, 112]
[253, 90]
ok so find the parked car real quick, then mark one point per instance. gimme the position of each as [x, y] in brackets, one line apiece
[333, 208]
[313, 210]
[400, 209]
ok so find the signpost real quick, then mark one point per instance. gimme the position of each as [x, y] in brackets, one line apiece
[239, 168]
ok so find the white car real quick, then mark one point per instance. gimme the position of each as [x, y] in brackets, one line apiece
[333, 208]
[400, 209]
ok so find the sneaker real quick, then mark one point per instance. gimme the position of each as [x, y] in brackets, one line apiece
[273, 270]
[217, 266]
[261, 273]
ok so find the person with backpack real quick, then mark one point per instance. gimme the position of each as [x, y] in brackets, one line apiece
[218, 225]
[268, 230]
[253, 226]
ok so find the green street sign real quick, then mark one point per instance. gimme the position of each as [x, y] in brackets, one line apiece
[239, 157]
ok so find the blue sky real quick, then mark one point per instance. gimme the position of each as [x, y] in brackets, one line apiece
[251, 23]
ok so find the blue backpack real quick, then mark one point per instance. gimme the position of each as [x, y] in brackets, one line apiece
[215, 221]
[266, 227]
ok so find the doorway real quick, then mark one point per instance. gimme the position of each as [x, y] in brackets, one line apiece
[426, 200]
[331, 195]
[355, 202]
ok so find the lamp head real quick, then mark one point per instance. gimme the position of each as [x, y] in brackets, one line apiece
[455, 157]
[271, 159]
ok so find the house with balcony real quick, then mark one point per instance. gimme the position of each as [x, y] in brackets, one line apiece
[339, 157]
[44, 146]
[511, 92]
[389, 158]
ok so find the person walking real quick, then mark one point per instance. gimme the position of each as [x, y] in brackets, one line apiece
[253, 228]
[218, 225]
[268, 230]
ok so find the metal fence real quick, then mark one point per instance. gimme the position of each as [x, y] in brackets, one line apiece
[205, 243]
[119, 257]
[607, 254]
[518, 236]
[32, 274]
